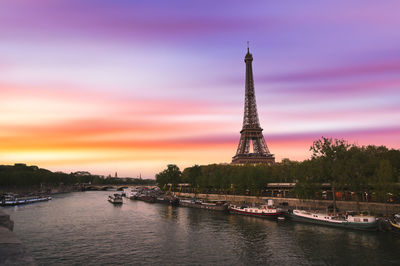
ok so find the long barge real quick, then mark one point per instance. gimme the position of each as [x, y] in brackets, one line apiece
[264, 211]
[349, 221]
[217, 205]
[13, 199]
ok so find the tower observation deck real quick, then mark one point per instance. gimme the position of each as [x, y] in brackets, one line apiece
[251, 132]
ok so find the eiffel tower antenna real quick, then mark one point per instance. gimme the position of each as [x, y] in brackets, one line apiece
[251, 132]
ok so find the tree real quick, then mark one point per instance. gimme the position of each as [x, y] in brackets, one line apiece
[332, 156]
[355, 171]
[170, 175]
[192, 176]
[382, 180]
[307, 184]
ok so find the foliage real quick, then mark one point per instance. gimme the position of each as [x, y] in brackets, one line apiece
[382, 180]
[171, 175]
[21, 175]
[346, 167]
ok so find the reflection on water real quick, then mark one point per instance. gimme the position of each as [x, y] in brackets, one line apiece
[83, 228]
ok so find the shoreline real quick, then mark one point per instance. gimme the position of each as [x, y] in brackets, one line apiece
[372, 207]
[290, 203]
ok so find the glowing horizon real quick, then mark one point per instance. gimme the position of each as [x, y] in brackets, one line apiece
[130, 87]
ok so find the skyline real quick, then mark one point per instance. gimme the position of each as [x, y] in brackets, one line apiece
[130, 87]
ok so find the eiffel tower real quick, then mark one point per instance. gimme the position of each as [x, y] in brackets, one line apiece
[251, 132]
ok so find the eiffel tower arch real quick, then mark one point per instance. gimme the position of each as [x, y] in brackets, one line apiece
[251, 133]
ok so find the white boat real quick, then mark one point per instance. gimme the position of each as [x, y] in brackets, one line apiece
[348, 220]
[115, 199]
[132, 193]
[10, 199]
[263, 211]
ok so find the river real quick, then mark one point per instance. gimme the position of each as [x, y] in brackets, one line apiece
[83, 228]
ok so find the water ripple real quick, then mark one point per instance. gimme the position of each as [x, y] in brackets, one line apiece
[84, 229]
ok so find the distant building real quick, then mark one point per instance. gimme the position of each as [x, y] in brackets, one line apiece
[82, 173]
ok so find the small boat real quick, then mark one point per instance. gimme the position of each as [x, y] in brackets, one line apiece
[115, 199]
[395, 223]
[132, 193]
[264, 211]
[10, 199]
[348, 220]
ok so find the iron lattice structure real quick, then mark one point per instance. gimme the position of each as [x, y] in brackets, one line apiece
[251, 132]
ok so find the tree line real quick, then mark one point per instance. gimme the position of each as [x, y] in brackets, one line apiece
[21, 175]
[369, 171]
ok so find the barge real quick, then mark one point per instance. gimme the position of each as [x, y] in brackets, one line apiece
[174, 201]
[216, 205]
[13, 199]
[264, 211]
[349, 220]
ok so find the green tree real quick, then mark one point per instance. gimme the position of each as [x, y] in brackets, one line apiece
[331, 155]
[308, 183]
[382, 180]
[192, 176]
[170, 175]
[354, 175]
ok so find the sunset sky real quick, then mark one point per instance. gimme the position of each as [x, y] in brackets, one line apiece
[131, 86]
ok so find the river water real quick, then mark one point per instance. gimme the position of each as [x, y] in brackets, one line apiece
[83, 228]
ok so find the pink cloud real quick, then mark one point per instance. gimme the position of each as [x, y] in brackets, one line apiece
[111, 21]
[376, 68]
[344, 113]
[389, 136]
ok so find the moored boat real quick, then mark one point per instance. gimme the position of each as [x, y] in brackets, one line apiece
[147, 198]
[264, 211]
[349, 220]
[215, 205]
[10, 199]
[115, 199]
[132, 193]
[167, 200]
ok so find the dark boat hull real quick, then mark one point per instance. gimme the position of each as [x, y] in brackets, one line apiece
[204, 206]
[115, 202]
[169, 201]
[148, 199]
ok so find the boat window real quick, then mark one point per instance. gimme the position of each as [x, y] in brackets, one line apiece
[365, 220]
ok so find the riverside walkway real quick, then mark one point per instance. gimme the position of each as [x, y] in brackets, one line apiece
[12, 251]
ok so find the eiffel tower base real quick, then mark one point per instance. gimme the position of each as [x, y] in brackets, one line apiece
[252, 158]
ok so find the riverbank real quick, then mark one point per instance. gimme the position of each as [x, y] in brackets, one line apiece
[39, 189]
[372, 207]
[12, 251]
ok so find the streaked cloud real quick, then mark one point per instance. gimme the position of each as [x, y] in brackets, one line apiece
[130, 86]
